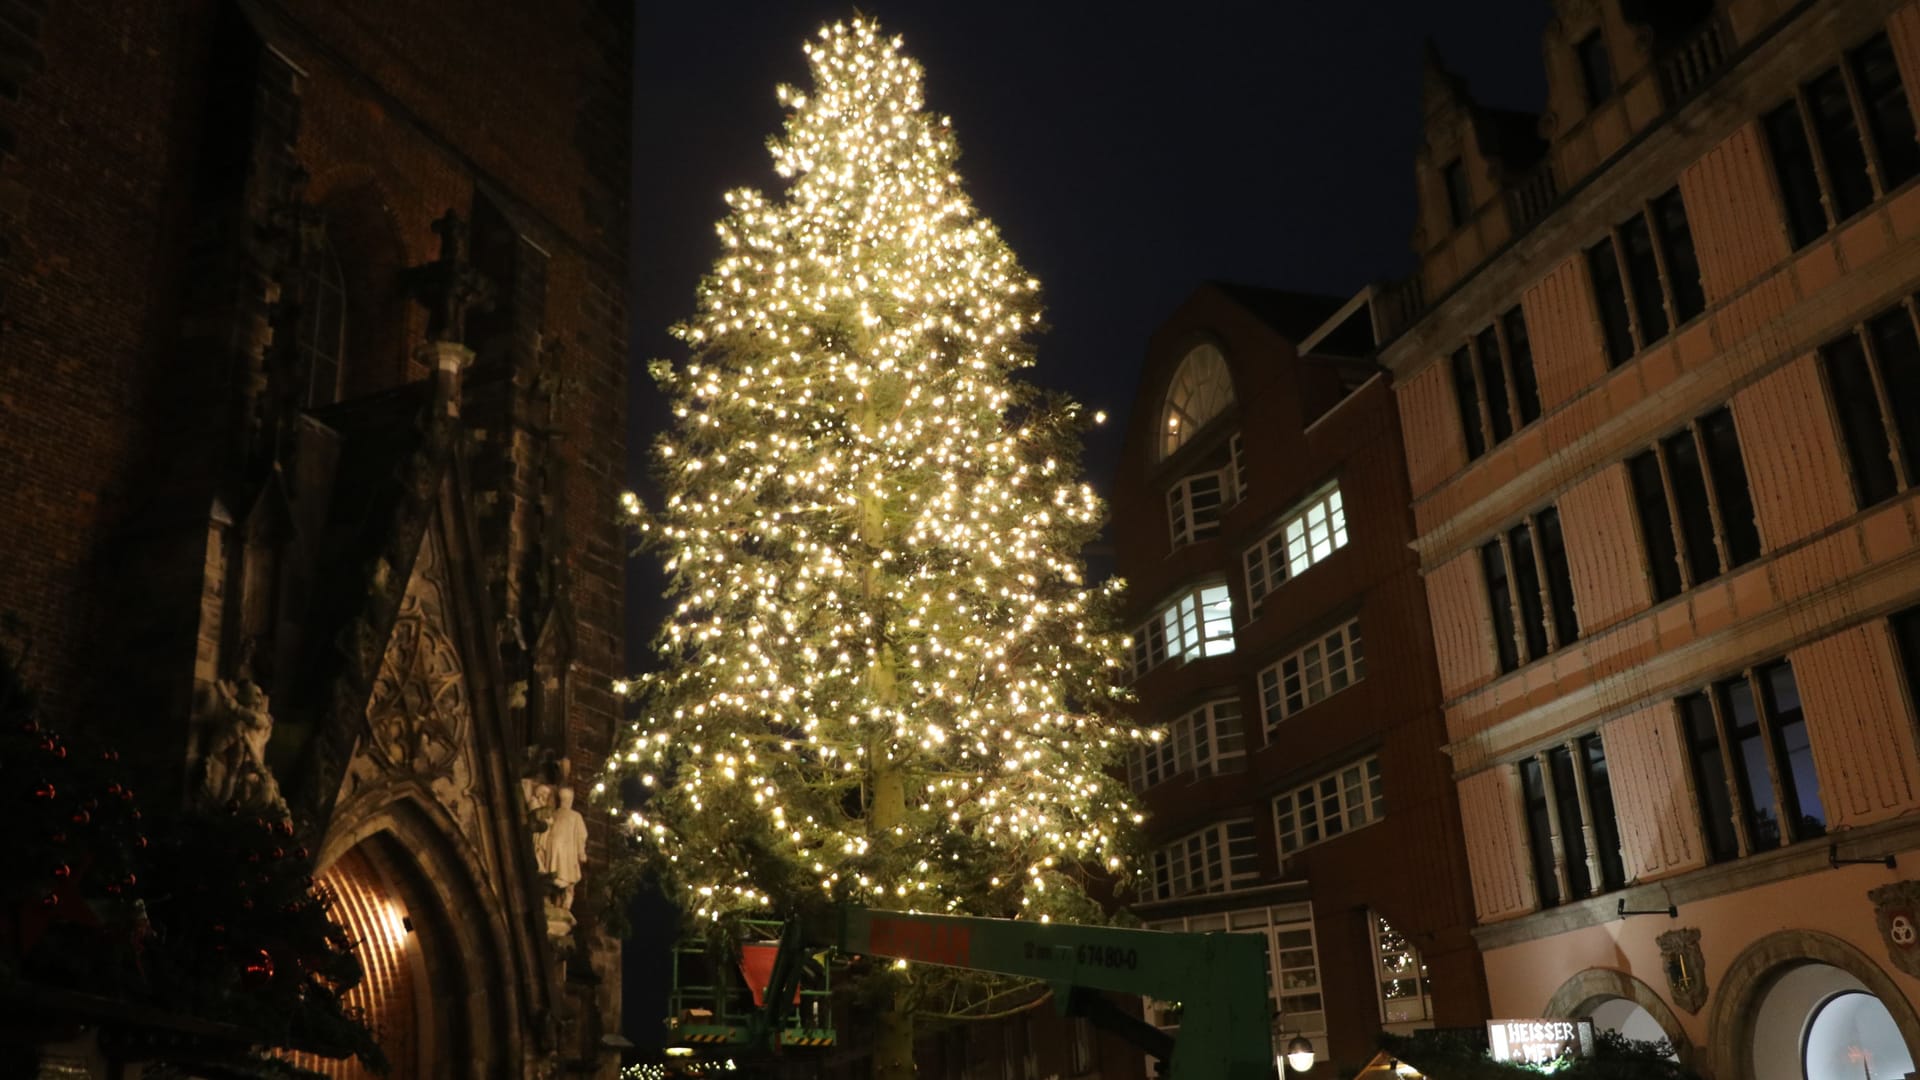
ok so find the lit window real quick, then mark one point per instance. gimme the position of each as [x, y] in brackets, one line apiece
[1304, 537]
[1201, 390]
[1193, 625]
[1219, 858]
[1333, 805]
[1324, 667]
[1205, 741]
[1753, 766]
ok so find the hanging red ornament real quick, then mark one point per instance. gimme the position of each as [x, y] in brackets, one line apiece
[258, 970]
[62, 872]
[109, 755]
[81, 817]
[44, 790]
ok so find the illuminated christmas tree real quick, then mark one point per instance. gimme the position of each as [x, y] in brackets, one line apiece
[886, 679]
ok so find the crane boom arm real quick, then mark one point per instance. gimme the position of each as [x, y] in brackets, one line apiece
[1219, 978]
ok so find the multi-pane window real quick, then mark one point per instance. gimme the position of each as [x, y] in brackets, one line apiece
[1305, 536]
[1646, 278]
[1573, 836]
[1328, 664]
[1530, 590]
[1874, 375]
[322, 331]
[1406, 993]
[1335, 804]
[1194, 506]
[1201, 389]
[1219, 858]
[1596, 71]
[1459, 196]
[1696, 509]
[1194, 624]
[1752, 763]
[1206, 740]
[1844, 140]
[1293, 966]
[1494, 384]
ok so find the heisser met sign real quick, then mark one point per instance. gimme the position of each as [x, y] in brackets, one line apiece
[1536, 1042]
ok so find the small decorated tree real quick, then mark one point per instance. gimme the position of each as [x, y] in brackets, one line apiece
[885, 679]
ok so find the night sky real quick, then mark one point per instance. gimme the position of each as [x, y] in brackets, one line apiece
[1127, 153]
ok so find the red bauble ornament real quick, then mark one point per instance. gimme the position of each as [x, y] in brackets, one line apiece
[81, 817]
[258, 970]
[44, 790]
[62, 872]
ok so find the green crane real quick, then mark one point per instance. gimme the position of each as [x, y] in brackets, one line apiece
[1219, 978]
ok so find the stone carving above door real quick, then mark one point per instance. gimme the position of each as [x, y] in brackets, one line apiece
[419, 714]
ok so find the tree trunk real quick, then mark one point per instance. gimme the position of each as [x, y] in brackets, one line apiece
[893, 1041]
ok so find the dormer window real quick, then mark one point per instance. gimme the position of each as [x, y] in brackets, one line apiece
[1596, 71]
[1201, 390]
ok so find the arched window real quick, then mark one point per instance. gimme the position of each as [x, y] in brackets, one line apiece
[1852, 1034]
[1200, 391]
[322, 333]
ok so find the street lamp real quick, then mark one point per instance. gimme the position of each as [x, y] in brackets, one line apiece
[1298, 1052]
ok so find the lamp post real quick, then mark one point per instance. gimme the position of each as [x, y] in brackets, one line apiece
[1295, 1054]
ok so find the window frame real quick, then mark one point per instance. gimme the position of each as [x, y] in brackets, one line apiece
[1470, 367]
[1273, 678]
[1203, 369]
[1218, 724]
[1594, 94]
[1710, 467]
[1812, 137]
[1567, 842]
[1219, 848]
[1185, 521]
[1378, 930]
[1161, 639]
[1555, 599]
[1663, 244]
[1258, 560]
[324, 274]
[1717, 696]
[1457, 190]
[1903, 459]
[1289, 827]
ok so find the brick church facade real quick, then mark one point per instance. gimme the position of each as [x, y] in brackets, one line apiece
[312, 385]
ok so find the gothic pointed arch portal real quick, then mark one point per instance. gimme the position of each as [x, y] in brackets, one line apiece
[373, 908]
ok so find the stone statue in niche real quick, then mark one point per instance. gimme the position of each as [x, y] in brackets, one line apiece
[236, 723]
[566, 847]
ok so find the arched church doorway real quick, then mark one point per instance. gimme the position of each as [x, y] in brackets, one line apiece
[1819, 1022]
[374, 910]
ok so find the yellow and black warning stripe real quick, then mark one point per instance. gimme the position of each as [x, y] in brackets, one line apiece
[730, 1035]
[789, 1038]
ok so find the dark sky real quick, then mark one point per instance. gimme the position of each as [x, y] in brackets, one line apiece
[1127, 152]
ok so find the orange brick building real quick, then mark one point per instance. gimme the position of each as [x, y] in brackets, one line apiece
[268, 424]
[1281, 645]
[1674, 597]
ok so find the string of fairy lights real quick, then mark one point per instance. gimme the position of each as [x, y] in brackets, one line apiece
[872, 531]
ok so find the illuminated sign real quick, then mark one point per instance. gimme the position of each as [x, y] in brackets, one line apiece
[1539, 1042]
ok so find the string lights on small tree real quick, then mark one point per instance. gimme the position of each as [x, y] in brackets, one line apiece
[885, 679]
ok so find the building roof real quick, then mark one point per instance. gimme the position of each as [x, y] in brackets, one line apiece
[1293, 315]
